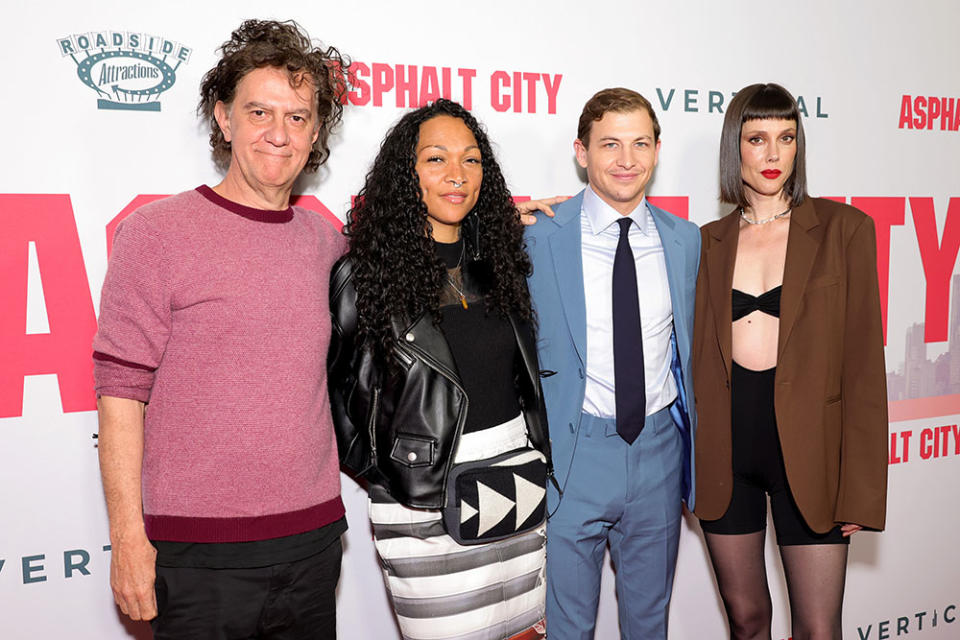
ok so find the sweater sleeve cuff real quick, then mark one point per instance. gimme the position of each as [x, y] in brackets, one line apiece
[121, 379]
[129, 393]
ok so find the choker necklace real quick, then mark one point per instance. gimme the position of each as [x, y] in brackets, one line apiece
[765, 220]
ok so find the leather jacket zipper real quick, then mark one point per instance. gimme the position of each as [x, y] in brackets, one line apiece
[431, 362]
[403, 356]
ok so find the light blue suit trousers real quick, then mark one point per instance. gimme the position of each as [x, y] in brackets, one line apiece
[627, 496]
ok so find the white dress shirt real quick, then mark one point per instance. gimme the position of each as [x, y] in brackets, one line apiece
[599, 236]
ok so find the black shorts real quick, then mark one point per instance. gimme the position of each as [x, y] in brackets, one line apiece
[758, 468]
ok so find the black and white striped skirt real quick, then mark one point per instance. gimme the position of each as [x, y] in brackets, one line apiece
[443, 590]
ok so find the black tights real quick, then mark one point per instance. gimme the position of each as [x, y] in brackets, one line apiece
[815, 578]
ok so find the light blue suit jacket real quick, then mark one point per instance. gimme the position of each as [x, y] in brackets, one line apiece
[556, 286]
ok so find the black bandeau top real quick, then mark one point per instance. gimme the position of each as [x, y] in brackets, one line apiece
[768, 302]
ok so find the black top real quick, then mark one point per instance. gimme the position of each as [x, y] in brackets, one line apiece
[483, 345]
[768, 302]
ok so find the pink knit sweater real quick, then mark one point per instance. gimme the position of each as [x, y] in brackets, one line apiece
[217, 315]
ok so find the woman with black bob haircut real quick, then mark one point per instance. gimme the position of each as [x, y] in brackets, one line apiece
[434, 382]
[789, 375]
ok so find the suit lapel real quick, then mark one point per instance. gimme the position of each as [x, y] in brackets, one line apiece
[721, 257]
[673, 255]
[803, 243]
[567, 256]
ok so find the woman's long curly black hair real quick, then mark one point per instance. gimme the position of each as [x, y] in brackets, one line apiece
[397, 273]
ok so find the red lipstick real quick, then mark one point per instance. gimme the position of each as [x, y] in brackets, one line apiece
[771, 174]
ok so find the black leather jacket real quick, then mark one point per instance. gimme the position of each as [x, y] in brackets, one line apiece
[398, 426]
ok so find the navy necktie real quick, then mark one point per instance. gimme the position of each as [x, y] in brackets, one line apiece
[629, 383]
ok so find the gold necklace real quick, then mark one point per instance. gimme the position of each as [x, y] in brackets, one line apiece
[450, 281]
[463, 298]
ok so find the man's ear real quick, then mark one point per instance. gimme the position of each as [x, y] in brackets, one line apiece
[222, 115]
[581, 150]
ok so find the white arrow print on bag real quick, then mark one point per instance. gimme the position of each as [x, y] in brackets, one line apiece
[493, 508]
[529, 497]
[466, 511]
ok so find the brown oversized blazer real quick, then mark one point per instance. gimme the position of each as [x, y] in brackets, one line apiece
[830, 394]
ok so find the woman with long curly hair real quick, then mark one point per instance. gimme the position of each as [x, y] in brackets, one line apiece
[434, 382]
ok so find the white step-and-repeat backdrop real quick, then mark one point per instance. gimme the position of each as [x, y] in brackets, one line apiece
[99, 118]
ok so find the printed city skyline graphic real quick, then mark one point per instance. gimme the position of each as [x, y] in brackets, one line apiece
[919, 377]
[920, 387]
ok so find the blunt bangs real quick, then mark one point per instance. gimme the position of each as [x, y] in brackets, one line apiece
[770, 102]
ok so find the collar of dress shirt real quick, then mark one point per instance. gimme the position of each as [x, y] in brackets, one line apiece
[601, 215]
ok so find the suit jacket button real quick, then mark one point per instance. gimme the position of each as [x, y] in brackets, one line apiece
[408, 337]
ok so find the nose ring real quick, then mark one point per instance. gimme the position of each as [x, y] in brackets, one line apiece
[457, 185]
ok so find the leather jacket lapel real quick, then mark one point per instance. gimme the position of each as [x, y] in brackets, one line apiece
[426, 339]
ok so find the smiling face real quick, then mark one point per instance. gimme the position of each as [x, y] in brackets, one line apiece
[619, 157]
[271, 127]
[768, 148]
[450, 169]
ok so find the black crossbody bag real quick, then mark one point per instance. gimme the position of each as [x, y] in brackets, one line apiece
[495, 498]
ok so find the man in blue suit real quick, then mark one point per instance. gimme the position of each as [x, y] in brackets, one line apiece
[613, 285]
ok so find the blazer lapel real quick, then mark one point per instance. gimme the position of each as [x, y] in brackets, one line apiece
[568, 268]
[721, 258]
[802, 246]
[674, 256]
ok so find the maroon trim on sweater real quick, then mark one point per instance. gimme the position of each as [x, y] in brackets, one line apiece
[243, 529]
[128, 393]
[258, 215]
[99, 355]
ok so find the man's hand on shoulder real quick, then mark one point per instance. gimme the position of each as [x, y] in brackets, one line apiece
[527, 209]
[133, 574]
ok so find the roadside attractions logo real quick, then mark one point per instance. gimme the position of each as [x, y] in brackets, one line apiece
[128, 70]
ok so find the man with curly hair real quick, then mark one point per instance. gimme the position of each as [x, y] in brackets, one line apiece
[217, 450]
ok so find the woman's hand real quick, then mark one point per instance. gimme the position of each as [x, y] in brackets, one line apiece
[526, 209]
[849, 529]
